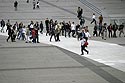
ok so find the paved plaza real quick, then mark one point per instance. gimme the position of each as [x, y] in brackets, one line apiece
[60, 62]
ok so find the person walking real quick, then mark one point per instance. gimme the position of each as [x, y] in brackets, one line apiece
[15, 5]
[36, 30]
[115, 27]
[110, 30]
[93, 18]
[104, 31]
[121, 29]
[79, 12]
[52, 32]
[2, 25]
[37, 5]
[83, 46]
[100, 20]
[95, 31]
[34, 4]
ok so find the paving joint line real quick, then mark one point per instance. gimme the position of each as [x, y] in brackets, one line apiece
[96, 69]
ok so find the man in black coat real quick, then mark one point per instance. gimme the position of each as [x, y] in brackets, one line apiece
[15, 5]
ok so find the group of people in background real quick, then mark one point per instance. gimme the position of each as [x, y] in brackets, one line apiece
[36, 4]
[104, 30]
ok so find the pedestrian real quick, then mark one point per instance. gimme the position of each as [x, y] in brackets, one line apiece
[115, 27]
[104, 31]
[93, 18]
[83, 46]
[10, 33]
[82, 22]
[2, 25]
[79, 12]
[52, 32]
[121, 29]
[57, 31]
[41, 27]
[24, 33]
[47, 23]
[36, 31]
[8, 25]
[73, 28]
[87, 34]
[15, 5]
[100, 20]
[110, 30]
[34, 35]
[95, 31]
[37, 5]
[34, 4]
[27, 35]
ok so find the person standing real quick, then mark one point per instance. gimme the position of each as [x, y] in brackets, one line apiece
[73, 28]
[41, 27]
[10, 33]
[104, 31]
[110, 30]
[93, 18]
[2, 25]
[83, 46]
[57, 31]
[36, 30]
[15, 5]
[47, 26]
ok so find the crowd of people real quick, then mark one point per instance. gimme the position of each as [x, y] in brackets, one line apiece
[107, 31]
[53, 29]
[56, 29]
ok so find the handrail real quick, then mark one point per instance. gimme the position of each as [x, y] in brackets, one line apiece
[91, 6]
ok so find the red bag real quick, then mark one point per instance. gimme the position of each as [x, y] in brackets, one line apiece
[86, 43]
